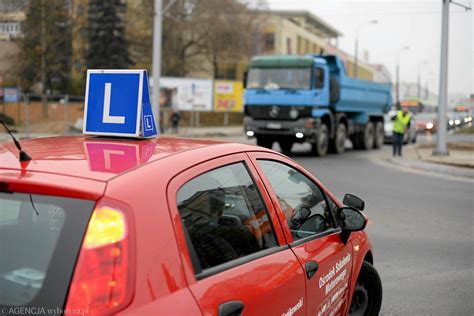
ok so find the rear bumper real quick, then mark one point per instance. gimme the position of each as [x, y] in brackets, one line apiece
[307, 126]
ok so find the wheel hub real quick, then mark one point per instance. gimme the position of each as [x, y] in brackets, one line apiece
[360, 301]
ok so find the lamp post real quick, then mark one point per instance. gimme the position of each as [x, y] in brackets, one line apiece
[397, 87]
[356, 53]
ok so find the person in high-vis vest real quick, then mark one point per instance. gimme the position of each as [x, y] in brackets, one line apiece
[400, 125]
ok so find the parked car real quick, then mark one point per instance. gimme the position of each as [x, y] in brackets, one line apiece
[411, 133]
[172, 226]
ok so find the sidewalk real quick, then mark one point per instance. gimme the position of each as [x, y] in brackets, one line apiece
[459, 162]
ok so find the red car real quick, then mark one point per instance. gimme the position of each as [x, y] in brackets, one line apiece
[174, 226]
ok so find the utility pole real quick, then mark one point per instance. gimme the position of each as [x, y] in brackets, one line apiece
[356, 51]
[397, 84]
[441, 144]
[156, 59]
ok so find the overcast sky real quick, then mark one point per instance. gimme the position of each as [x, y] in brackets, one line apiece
[416, 24]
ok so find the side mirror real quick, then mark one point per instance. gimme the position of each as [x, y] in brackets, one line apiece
[351, 219]
[353, 201]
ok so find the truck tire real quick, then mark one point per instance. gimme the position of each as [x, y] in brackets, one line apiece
[265, 142]
[379, 135]
[366, 137]
[337, 145]
[285, 145]
[320, 148]
[367, 297]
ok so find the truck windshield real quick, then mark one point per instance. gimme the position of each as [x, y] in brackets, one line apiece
[279, 78]
[40, 237]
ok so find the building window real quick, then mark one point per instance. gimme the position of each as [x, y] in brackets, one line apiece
[269, 41]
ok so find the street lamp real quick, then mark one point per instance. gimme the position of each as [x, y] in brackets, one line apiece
[356, 53]
[420, 68]
[397, 88]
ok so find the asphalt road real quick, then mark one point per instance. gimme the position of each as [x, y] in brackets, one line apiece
[421, 230]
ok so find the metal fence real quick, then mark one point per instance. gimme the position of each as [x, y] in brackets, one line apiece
[41, 115]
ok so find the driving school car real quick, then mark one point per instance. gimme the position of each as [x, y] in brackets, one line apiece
[171, 226]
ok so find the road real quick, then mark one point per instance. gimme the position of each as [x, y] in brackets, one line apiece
[421, 229]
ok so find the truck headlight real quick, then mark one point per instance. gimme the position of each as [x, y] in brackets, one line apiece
[429, 125]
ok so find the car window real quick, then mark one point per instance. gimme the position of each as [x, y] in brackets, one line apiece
[40, 237]
[302, 201]
[224, 217]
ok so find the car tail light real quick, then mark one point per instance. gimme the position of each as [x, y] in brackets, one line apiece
[103, 278]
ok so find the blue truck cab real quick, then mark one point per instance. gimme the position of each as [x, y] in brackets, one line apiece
[310, 98]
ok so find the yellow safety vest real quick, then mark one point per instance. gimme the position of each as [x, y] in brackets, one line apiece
[401, 122]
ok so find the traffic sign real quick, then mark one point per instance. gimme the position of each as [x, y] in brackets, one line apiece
[117, 103]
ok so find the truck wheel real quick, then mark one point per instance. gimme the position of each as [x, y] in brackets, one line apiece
[379, 135]
[337, 145]
[366, 138]
[367, 297]
[265, 142]
[285, 145]
[320, 148]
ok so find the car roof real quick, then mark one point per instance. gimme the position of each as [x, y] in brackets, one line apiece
[102, 159]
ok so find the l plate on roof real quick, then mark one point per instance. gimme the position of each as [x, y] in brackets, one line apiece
[117, 103]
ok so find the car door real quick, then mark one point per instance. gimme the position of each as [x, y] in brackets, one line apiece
[234, 253]
[310, 227]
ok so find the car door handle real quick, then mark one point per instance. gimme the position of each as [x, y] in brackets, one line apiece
[232, 308]
[311, 269]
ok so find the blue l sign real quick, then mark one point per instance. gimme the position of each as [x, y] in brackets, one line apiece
[118, 104]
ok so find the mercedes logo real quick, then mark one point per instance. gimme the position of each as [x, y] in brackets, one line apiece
[274, 111]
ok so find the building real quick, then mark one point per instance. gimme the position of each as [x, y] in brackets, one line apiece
[294, 32]
[381, 74]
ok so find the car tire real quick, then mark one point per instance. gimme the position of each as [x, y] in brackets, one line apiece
[367, 297]
[337, 145]
[285, 145]
[320, 147]
[379, 135]
[265, 142]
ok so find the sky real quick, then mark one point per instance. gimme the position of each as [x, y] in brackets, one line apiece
[415, 23]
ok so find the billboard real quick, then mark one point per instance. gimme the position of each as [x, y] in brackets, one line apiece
[186, 94]
[228, 96]
[11, 95]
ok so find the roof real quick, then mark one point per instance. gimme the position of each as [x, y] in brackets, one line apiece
[310, 18]
[102, 159]
[281, 61]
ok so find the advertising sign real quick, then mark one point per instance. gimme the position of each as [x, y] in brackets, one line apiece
[186, 94]
[228, 96]
[10, 95]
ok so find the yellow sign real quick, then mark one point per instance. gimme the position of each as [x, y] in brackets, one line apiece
[228, 96]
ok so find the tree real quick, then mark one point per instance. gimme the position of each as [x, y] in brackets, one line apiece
[106, 35]
[46, 46]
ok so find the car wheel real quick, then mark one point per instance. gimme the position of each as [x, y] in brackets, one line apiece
[265, 142]
[337, 145]
[320, 148]
[367, 297]
[379, 135]
[285, 145]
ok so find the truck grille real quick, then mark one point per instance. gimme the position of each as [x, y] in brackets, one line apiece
[277, 112]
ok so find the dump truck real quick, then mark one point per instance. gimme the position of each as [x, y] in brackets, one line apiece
[296, 99]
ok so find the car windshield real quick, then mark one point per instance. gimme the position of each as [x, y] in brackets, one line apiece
[426, 116]
[40, 240]
[279, 78]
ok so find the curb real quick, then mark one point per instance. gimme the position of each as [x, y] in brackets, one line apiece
[436, 168]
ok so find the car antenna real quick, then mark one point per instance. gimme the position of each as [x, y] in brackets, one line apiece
[23, 155]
